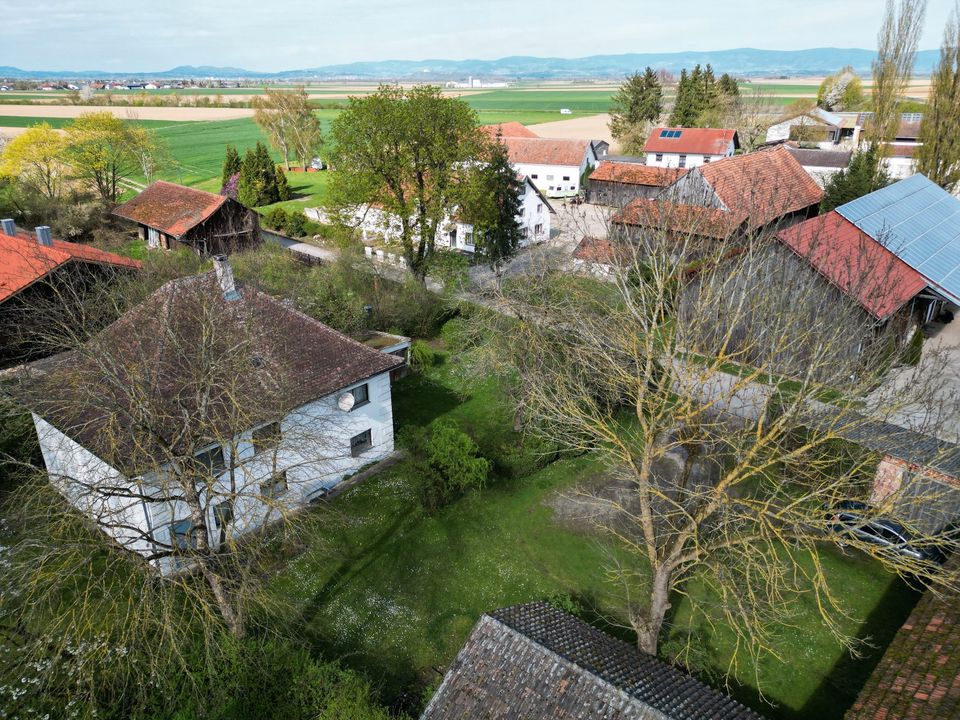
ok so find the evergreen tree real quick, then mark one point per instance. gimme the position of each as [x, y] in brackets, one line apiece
[728, 87]
[639, 101]
[865, 175]
[258, 180]
[231, 165]
[283, 188]
[684, 113]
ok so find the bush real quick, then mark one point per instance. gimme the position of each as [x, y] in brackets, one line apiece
[422, 356]
[450, 268]
[450, 464]
[914, 349]
[296, 224]
[276, 218]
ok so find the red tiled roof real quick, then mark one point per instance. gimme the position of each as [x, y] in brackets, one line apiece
[594, 250]
[692, 141]
[636, 174]
[24, 261]
[918, 677]
[863, 269]
[902, 151]
[509, 130]
[173, 209]
[679, 218]
[763, 185]
[545, 151]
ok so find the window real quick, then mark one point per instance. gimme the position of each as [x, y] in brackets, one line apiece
[212, 460]
[222, 514]
[181, 535]
[361, 393]
[659, 157]
[360, 443]
[683, 161]
[566, 178]
[534, 176]
[539, 208]
[705, 159]
[538, 229]
[549, 177]
[275, 486]
[266, 437]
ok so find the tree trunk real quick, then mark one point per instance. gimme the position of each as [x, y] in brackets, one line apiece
[231, 616]
[649, 624]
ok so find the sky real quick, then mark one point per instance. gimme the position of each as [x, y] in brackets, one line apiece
[272, 35]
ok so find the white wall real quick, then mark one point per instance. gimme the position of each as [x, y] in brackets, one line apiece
[672, 160]
[900, 168]
[314, 451]
[534, 214]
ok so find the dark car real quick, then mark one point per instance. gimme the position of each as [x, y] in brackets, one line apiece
[858, 521]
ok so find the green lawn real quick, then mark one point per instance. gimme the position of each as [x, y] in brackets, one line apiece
[394, 592]
[307, 190]
[587, 102]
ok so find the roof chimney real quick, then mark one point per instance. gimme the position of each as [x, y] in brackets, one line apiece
[9, 227]
[43, 235]
[225, 277]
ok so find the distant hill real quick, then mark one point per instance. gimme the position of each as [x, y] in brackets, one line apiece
[742, 61]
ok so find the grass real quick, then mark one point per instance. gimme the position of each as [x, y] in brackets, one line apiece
[16, 121]
[395, 592]
[307, 190]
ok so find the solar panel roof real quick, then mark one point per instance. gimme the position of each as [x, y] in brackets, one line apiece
[919, 222]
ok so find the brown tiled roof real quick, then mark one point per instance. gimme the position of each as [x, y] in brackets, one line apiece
[680, 218]
[690, 141]
[763, 185]
[546, 151]
[534, 662]
[594, 250]
[634, 174]
[173, 209]
[918, 677]
[300, 359]
[509, 130]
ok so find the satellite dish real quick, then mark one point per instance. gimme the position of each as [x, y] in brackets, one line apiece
[345, 402]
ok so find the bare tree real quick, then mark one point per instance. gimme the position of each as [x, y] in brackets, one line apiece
[289, 122]
[893, 67]
[721, 388]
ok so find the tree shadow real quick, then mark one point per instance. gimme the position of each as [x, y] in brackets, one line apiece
[418, 400]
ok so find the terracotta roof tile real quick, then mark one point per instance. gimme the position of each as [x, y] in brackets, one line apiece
[546, 151]
[24, 261]
[690, 141]
[509, 130]
[635, 174]
[680, 218]
[173, 209]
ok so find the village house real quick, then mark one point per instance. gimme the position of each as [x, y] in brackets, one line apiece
[722, 199]
[819, 127]
[170, 216]
[318, 409]
[538, 663]
[617, 183]
[41, 276]
[556, 167]
[689, 147]
[821, 165]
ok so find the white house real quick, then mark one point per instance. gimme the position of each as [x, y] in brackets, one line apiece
[333, 417]
[556, 167]
[689, 147]
[817, 125]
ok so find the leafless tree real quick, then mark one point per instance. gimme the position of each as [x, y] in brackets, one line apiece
[720, 381]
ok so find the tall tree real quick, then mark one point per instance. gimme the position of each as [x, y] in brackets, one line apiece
[231, 165]
[289, 122]
[104, 152]
[685, 109]
[938, 156]
[491, 201]
[841, 91]
[714, 403]
[728, 86]
[637, 104]
[864, 175]
[257, 184]
[896, 53]
[403, 149]
[36, 159]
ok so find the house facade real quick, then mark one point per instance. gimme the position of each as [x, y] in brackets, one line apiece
[556, 167]
[335, 418]
[689, 147]
[825, 129]
[169, 216]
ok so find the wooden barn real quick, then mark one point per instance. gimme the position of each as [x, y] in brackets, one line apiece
[617, 183]
[171, 215]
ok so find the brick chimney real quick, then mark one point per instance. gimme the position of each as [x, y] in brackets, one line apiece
[225, 278]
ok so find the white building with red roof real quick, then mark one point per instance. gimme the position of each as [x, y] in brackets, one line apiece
[689, 147]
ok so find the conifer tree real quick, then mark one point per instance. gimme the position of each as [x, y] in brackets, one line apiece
[638, 102]
[283, 188]
[231, 165]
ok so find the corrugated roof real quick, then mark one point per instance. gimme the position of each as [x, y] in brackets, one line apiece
[854, 262]
[24, 261]
[538, 663]
[691, 141]
[919, 222]
[170, 208]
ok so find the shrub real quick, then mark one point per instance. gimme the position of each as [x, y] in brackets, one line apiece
[449, 268]
[296, 224]
[450, 465]
[276, 218]
[914, 349]
[422, 356]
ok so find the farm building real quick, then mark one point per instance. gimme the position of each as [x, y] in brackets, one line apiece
[538, 663]
[900, 161]
[555, 166]
[617, 183]
[816, 125]
[303, 407]
[38, 274]
[689, 147]
[822, 165]
[169, 216]
[740, 194]
[511, 129]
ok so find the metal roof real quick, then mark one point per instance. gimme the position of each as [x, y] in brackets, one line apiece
[919, 222]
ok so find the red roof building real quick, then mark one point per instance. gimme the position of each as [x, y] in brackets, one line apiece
[509, 130]
[852, 261]
[617, 183]
[171, 215]
[689, 147]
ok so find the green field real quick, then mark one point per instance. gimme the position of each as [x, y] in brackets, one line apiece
[17, 121]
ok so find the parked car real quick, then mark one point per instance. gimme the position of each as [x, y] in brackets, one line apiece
[857, 520]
